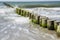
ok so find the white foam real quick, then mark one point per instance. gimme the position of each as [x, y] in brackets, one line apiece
[21, 20]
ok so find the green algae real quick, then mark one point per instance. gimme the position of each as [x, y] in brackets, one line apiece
[44, 23]
[58, 30]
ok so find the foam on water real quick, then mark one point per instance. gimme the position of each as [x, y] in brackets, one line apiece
[16, 27]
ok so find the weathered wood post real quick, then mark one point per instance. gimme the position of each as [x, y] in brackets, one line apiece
[22, 12]
[35, 19]
[50, 24]
[40, 21]
[16, 10]
[56, 23]
[19, 11]
[30, 15]
[58, 30]
[44, 22]
[26, 13]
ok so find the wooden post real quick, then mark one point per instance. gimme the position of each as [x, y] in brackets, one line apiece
[44, 22]
[27, 14]
[50, 24]
[40, 21]
[58, 30]
[22, 12]
[19, 11]
[30, 15]
[56, 23]
[35, 19]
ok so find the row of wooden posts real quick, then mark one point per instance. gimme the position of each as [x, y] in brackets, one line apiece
[43, 21]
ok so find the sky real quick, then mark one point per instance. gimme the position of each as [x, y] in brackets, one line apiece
[29, 0]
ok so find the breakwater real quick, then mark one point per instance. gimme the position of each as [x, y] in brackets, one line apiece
[50, 21]
[8, 5]
[46, 21]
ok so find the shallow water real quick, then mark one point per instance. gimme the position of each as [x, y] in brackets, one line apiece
[16, 27]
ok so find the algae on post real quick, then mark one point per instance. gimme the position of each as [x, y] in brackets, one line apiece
[16, 10]
[24, 13]
[58, 30]
[55, 25]
[40, 20]
[36, 19]
[30, 15]
[19, 12]
[44, 23]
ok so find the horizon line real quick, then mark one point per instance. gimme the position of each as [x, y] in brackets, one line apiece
[29, 1]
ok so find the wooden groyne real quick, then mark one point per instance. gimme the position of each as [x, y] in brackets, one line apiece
[43, 21]
[8, 5]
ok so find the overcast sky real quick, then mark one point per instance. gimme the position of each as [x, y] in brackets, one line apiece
[29, 0]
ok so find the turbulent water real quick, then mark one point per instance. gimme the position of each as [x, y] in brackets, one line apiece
[16, 27]
[35, 3]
